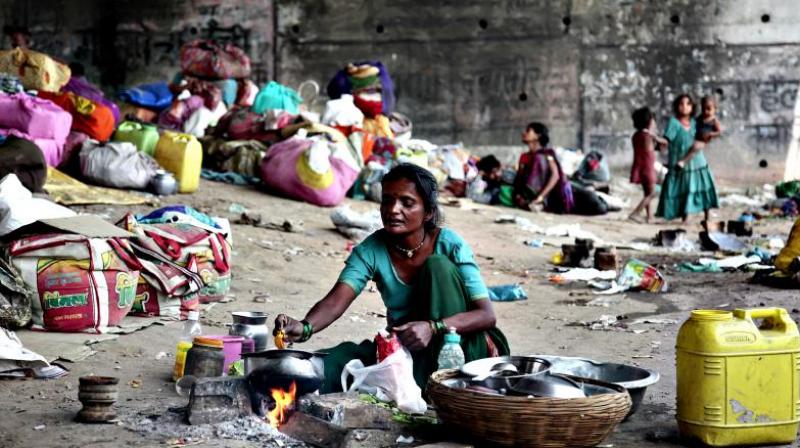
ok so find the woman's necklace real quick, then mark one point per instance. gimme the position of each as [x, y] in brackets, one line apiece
[410, 252]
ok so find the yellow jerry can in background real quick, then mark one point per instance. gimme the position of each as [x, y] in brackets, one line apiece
[737, 377]
[182, 155]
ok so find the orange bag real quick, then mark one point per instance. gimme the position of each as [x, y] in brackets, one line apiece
[94, 120]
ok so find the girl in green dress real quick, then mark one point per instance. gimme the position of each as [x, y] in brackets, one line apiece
[427, 277]
[688, 189]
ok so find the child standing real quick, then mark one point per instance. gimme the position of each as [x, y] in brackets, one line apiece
[708, 129]
[690, 189]
[645, 143]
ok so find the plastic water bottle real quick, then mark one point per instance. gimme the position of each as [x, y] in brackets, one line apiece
[191, 328]
[451, 356]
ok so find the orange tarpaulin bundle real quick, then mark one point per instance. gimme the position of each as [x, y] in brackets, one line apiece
[94, 120]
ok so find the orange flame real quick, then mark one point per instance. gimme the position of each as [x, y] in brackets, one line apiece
[283, 401]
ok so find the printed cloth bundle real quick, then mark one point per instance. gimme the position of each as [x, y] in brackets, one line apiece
[36, 71]
[239, 156]
[241, 123]
[81, 284]
[187, 256]
[214, 60]
[10, 84]
[93, 119]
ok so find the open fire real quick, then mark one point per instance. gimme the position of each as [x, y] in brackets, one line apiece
[284, 401]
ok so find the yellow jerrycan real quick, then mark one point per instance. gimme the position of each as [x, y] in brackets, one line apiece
[737, 377]
[182, 155]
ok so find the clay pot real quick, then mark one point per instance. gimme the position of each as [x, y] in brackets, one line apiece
[97, 394]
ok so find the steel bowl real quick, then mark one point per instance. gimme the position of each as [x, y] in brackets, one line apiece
[634, 379]
[526, 365]
[547, 385]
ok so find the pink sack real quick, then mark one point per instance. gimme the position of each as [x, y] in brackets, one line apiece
[211, 59]
[34, 116]
[53, 150]
[313, 170]
[82, 284]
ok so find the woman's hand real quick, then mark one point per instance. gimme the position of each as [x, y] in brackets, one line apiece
[538, 201]
[292, 328]
[415, 335]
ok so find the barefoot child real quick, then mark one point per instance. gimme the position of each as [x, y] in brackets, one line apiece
[708, 128]
[689, 189]
[645, 143]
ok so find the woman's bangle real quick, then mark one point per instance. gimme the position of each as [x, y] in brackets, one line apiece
[441, 328]
[308, 330]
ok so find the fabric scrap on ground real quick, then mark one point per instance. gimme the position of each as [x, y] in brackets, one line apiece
[69, 191]
[14, 355]
[507, 293]
[229, 177]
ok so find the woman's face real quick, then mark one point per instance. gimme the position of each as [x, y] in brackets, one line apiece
[685, 107]
[402, 208]
[529, 136]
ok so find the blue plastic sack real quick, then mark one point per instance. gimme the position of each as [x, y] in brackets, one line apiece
[276, 96]
[155, 96]
[507, 293]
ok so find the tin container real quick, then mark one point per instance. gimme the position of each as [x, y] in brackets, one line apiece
[205, 358]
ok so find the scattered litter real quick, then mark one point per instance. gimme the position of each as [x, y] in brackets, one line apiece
[236, 209]
[642, 356]
[654, 321]
[581, 274]
[355, 225]
[135, 383]
[537, 243]
[405, 440]
[605, 322]
[161, 355]
[507, 293]
[39, 427]
[722, 241]
[283, 225]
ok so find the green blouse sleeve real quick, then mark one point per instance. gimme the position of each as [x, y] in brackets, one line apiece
[671, 131]
[464, 260]
[359, 268]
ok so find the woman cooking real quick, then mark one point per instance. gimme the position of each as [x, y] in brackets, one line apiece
[427, 278]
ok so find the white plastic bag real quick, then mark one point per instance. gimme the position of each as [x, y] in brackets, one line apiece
[390, 380]
[342, 112]
[19, 208]
[117, 164]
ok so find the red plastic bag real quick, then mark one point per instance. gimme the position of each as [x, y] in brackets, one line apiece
[387, 344]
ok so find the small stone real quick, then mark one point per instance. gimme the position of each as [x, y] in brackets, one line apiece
[135, 383]
[39, 427]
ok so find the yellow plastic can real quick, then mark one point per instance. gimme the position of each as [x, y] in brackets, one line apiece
[180, 359]
[737, 377]
[182, 155]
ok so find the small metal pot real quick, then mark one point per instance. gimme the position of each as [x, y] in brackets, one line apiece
[163, 183]
[279, 368]
[253, 325]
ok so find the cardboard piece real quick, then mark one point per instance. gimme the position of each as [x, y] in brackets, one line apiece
[88, 225]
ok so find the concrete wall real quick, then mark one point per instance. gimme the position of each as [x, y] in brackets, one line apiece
[125, 42]
[477, 71]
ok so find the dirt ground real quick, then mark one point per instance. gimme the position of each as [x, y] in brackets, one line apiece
[292, 283]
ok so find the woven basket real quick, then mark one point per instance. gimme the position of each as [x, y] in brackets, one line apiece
[523, 421]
